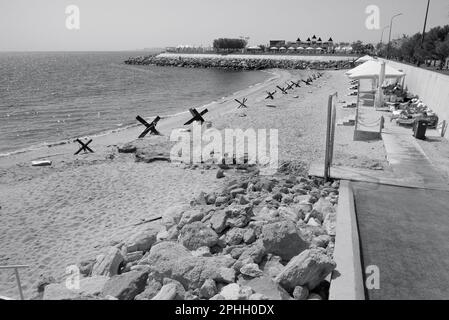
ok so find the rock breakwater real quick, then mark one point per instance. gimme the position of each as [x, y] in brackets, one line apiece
[241, 63]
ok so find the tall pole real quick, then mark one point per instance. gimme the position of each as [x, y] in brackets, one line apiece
[424, 30]
[381, 39]
[389, 38]
[382, 36]
[425, 23]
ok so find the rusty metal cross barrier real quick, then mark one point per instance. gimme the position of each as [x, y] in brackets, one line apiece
[150, 127]
[196, 116]
[296, 84]
[289, 86]
[307, 82]
[242, 103]
[282, 90]
[84, 146]
[270, 95]
[16, 272]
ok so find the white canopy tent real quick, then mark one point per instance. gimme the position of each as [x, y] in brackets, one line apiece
[376, 71]
[371, 70]
[364, 59]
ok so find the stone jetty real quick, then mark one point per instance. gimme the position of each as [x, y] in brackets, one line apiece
[243, 62]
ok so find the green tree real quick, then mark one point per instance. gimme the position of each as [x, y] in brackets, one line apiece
[229, 44]
[442, 51]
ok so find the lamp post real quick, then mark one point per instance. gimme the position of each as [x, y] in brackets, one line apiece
[381, 38]
[389, 38]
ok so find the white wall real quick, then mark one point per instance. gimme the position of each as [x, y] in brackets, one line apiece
[432, 87]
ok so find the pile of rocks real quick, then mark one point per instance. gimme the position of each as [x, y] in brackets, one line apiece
[262, 237]
[238, 64]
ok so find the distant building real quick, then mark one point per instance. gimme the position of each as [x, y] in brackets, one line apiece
[277, 43]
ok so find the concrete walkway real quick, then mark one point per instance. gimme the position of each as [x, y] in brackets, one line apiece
[409, 162]
[402, 218]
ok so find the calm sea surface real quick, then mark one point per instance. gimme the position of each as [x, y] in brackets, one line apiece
[51, 97]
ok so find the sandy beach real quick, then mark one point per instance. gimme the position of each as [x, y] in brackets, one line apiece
[55, 216]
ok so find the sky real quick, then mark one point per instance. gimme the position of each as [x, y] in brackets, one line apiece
[110, 25]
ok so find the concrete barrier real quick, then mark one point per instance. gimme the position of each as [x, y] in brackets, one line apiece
[347, 278]
[432, 87]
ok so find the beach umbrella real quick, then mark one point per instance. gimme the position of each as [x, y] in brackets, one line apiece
[273, 48]
[282, 48]
[291, 48]
[319, 48]
[309, 48]
[300, 48]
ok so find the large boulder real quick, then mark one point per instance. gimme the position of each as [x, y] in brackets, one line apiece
[238, 216]
[283, 239]
[108, 263]
[141, 241]
[235, 236]
[208, 289]
[234, 291]
[251, 270]
[173, 260]
[272, 267]
[197, 235]
[170, 291]
[308, 269]
[330, 223]
[266, 286]
[126, 286]
[324, 206]
[172, 216]
[88, 287]
[189, 216]
[152, 289]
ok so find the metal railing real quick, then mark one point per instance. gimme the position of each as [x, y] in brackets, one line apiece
[16, 272]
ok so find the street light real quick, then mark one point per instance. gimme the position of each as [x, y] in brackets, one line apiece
[382, 36]
[389, 38]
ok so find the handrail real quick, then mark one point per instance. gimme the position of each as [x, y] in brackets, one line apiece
[16, 272]
[19, 266]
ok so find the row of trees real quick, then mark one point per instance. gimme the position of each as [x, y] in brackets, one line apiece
[229, 44]
[413, 49]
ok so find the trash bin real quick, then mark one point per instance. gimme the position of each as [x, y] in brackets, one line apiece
[419, 129]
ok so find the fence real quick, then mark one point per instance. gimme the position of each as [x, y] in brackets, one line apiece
[330, 134]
